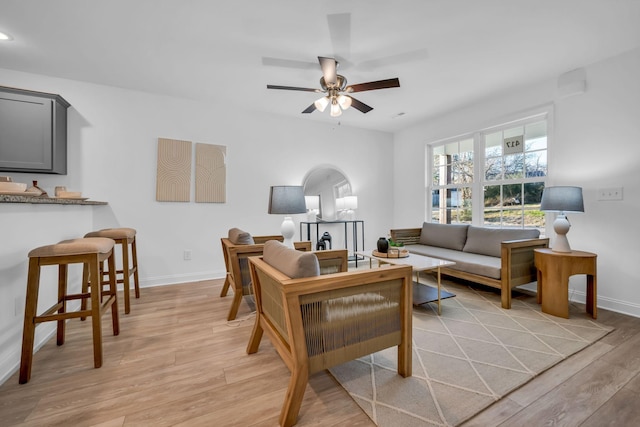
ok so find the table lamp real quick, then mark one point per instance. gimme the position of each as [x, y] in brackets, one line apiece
[313, 207]
[287, 200]
[562, 199]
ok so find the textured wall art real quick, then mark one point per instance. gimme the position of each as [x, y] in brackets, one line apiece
[173, 183]
[211, 173]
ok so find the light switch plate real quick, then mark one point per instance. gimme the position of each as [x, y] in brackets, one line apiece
[610, 193]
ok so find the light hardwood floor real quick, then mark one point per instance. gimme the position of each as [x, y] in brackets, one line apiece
[178, 362]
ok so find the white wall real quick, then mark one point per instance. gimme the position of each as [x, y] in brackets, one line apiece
[595, 144]
[112, 141]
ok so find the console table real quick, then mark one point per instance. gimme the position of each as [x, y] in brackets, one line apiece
[357, 233]
[554, 270]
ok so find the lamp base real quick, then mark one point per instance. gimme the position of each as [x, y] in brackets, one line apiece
[288, 230]
[561, 226]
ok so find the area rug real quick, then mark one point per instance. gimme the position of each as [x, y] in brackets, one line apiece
[464, 360]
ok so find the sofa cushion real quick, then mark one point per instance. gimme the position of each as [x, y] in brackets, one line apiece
[482, 265]
[451, 236]
[240, 237]
[486, 241]
[295, 264]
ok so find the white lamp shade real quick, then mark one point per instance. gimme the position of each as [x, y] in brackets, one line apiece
[312, 202]
[340, 204]
[344, 101]
[335, 109]
[351, 202]
[321, 103]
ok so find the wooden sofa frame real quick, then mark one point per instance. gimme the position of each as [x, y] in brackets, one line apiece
[516, 266]
[236, 262]
[292, 312]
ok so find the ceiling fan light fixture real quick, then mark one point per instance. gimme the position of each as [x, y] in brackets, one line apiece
[344, 101]
[321, 103]
[335, 109]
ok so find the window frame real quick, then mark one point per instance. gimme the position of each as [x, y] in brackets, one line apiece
[544, 112]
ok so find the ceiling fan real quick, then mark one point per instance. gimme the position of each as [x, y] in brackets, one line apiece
[336, 91]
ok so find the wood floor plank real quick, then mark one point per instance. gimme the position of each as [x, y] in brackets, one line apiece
[177, 361]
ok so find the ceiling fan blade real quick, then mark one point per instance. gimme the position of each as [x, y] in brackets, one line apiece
[328, 66]
[360, 106]
[340, 33]
[310, 109]
[380, 84]
[304, 89]
[288, 63]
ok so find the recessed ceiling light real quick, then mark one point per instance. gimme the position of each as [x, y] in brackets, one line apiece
[5, 37]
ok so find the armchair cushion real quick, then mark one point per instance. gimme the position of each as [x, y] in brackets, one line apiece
[240, 237]
[295, 264]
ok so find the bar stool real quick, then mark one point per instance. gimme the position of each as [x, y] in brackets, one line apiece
[89, 252]
[123, 237]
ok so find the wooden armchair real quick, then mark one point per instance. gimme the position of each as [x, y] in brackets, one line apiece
[236, 260]
[322, 321]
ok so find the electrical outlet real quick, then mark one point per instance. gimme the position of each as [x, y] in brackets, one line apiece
[187, 254]
[610, 193]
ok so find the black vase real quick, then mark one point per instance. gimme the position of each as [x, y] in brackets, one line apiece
[383, 245]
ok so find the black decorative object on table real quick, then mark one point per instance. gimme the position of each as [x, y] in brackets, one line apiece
[326, 238]
[383, 245]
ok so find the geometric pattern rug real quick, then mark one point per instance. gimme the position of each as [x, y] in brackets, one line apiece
[465, 359]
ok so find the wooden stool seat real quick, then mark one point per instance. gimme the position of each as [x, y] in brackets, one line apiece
[89, 252]
[124, 237]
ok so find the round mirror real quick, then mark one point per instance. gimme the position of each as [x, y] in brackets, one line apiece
[327, 184]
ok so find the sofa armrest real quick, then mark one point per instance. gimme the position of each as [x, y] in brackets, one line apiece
[406, 236]
[517, 264]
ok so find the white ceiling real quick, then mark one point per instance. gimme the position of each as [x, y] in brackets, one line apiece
[445, 53]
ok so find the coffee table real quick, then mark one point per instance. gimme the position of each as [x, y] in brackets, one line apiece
[422, 293]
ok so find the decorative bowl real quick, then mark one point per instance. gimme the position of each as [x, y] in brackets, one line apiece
[12, 187]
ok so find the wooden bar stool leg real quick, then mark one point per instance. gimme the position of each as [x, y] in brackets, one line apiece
[125, 274]
[96, 290]
[63, 270]
[113, 293]
[28, 334]
[134, 255]
[85, 288]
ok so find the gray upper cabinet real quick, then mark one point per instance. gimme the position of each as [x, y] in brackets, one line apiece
[33, 131]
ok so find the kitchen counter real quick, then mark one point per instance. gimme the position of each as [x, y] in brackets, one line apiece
[14, 198]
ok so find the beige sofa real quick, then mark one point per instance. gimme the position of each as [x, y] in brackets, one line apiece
[498, 257]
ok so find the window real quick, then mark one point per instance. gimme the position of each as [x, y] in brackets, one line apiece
[492, 177]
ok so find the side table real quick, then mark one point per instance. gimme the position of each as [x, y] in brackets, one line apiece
[554, 270]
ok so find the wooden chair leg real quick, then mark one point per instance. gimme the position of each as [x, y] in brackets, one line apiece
[85, 288]
[225, 287]
[62, 300]
[96, 290]
[28, 333]
[235, 305]
[294, 396]
[256, 337]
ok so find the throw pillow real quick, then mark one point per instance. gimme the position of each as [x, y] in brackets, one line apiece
[450, 236]
[295, 264]
[487, 241]
[240, 237]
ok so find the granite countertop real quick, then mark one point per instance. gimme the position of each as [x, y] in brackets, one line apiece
[15, 198]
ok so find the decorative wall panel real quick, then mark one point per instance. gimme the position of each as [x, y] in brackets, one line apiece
[211, 173]
[173, 182]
